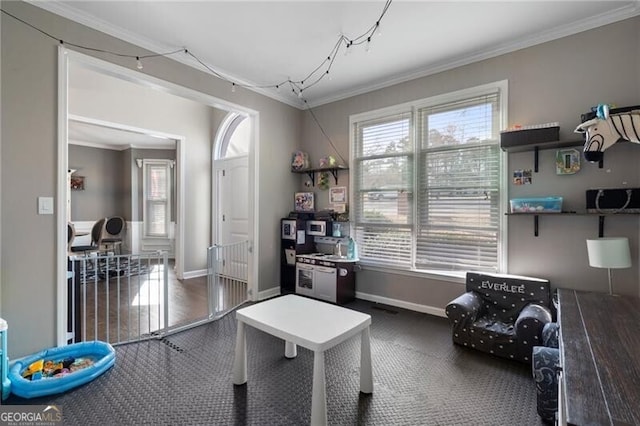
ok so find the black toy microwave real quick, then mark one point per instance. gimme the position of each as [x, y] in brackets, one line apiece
[288, 231]
[320, 228]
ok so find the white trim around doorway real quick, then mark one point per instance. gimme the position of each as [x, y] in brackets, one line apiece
[64, 56]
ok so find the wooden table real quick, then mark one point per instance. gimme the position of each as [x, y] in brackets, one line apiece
[311, 324]
[600, 358]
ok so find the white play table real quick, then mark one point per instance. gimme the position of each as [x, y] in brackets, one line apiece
[312, 324]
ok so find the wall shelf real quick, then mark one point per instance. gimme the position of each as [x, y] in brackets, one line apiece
[536, 147]
[601, 217]
[312, 172]
[541, 145]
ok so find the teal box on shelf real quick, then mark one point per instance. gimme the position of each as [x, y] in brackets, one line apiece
[536, 205]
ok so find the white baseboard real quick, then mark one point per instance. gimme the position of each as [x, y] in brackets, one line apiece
[195, 274]
[269, 293]
[439, 312]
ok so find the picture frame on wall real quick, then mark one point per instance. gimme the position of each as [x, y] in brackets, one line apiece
[304, 202]
[567, 161]
[77, 183]
[338, 195]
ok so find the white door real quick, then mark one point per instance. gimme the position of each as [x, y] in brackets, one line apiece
[233, 210]
[233, 200]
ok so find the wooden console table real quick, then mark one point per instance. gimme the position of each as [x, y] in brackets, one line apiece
[600, 358]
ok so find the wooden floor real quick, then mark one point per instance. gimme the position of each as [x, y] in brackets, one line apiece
[120, 299]
[127, 308]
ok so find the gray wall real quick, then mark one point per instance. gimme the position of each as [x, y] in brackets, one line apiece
[555, 81]
[29, 149]
[115, 100]
[105, 193]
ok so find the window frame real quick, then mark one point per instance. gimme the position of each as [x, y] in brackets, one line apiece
[168, 165]
[226, 132]
[413, 107]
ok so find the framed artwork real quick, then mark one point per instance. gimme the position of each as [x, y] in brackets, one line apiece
[567, 161]
[338, 195]
[339, 207]
[77, 183]
[304, 202]
[299, 160]
[522, 177]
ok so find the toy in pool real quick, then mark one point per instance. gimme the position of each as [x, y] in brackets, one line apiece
[57, 370]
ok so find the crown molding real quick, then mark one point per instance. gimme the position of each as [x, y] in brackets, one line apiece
[98, 145]
[628, 11]
[68, 12]
[622, 13]
[120, 147]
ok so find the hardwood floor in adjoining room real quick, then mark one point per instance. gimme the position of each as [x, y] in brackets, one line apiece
[123, 308]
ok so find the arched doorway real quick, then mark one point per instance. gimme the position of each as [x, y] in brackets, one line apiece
[231, 174]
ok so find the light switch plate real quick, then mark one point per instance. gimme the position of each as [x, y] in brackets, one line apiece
[45, 205]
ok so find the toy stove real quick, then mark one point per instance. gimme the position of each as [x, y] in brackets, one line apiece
[325, 276]
[321, 259]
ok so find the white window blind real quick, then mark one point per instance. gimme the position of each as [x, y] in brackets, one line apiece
[157, 196]
[459, 183]
[383, 171]
[450, 221]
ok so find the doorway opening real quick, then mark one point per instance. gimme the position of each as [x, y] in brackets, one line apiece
[111, 158]
[231, 180]
[190, 242]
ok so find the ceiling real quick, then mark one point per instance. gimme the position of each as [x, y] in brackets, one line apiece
[262, 43]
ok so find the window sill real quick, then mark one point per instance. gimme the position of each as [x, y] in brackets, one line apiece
[449, 276]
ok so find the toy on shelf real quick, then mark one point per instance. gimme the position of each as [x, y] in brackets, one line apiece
[329, 161]
[323, 182]
[299, 160]
[607, 128]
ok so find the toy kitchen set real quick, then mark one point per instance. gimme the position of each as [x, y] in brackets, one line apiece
[318, 258]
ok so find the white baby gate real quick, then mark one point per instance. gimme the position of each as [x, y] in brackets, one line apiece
[126, 298]
[118, 299]
[227, 276]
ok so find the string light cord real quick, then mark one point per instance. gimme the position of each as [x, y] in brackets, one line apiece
[348, 42]
[211, 70]
[297, 86]
[323, 132]
[92, 49]
[330, 58]
[366, 36]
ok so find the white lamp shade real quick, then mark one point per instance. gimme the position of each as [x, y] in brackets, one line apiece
[610, 253]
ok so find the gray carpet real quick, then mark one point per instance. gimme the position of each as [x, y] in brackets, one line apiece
[420, 378]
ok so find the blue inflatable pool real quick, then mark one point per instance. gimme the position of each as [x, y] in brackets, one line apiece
[59, 369]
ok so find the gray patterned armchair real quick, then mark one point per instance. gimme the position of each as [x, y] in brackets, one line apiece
[501, 314]
[545, 367]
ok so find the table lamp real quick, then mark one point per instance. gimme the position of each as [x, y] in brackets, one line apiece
[610, 253]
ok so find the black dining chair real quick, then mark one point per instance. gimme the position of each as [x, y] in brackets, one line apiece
[85, 249]
[112, 236]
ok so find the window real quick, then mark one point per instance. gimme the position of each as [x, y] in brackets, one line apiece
[234, 136]
[426, 182]
[157, 197]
